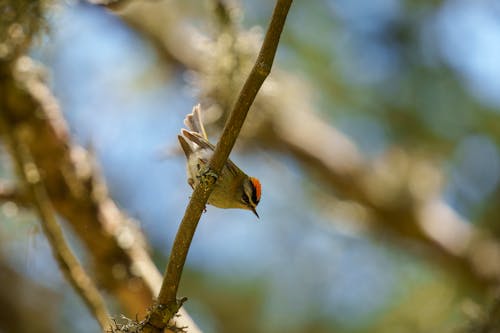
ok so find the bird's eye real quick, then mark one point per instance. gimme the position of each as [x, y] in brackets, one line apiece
[244, 198]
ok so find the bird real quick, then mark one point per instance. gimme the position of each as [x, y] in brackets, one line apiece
[233, 187]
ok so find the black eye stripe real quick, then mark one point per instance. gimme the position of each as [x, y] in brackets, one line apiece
[254, 195]
[245, 198]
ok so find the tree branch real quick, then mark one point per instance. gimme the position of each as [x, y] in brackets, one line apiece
[67, 261]
[167, 301]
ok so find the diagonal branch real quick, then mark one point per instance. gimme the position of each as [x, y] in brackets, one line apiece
[167, 302]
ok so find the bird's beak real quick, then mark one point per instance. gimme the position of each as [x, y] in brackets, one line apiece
[254, 211]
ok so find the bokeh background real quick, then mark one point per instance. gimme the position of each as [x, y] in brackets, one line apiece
[414, 88]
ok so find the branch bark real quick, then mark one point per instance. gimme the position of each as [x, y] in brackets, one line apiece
[167, 303]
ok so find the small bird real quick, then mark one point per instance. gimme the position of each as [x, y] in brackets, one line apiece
[233, 189]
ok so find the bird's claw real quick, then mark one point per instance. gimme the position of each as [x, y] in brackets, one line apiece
[207, 176]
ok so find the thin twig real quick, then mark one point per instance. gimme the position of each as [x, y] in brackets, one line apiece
[67, 261]
[167, 302]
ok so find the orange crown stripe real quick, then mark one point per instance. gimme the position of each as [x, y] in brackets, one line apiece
[258, 187]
